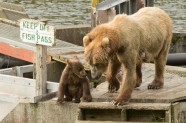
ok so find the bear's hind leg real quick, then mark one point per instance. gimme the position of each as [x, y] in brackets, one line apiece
[158, 81]
[139, 74]
[160, 63]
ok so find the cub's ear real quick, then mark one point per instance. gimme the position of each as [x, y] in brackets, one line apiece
[86, 40]
[68, 62]
[105, 42]
[75, 57]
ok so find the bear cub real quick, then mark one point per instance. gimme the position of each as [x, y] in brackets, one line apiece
[74, 83]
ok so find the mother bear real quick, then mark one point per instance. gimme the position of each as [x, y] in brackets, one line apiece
[127, 41]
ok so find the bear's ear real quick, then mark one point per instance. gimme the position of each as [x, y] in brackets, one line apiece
[105, 42]
[86, 40]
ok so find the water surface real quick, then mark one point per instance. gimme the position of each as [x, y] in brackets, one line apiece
[67, 12]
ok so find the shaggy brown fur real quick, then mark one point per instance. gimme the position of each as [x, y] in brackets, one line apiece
[127, 41]
[74, 83]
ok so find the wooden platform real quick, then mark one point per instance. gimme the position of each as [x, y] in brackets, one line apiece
[173, 91]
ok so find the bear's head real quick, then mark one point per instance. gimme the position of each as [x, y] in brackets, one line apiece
[99, 45]
[77, 67]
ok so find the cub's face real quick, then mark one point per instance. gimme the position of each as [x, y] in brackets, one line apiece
[77, 67]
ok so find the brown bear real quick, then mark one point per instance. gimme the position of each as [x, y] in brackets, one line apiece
[74, 83]
[127, 41]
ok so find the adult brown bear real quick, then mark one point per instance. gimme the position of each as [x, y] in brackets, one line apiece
[127, 41]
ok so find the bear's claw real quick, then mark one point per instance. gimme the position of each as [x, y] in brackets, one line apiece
[119, 103]
[59, 101]
[154, 86]
[87, 98]
[113, 87]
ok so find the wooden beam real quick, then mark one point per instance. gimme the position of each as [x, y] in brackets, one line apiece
[24, 69]
[17, 52]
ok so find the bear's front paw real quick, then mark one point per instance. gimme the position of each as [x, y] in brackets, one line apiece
[120, 102]
[113, 87]
[76, 101]
[87, 98]
[59, 101]
[155, 85]
[68, 99]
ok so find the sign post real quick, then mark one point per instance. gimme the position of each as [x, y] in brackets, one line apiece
[43, 35]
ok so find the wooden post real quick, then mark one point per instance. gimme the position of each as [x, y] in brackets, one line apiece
[149, 3]
[105, 16]
[41, 70]
[132, 6]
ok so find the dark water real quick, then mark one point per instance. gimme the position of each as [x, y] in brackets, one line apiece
[66, 12]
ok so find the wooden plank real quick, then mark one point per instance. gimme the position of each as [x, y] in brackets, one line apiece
[12, 6]
[22, 86]
[173, 90]
[24, 69]
[16, 80]
[132, 6]
[13, 98]
[9, 71]
[136, 106]
[2, 14]
[108, 4]
[17, 85]
[17, 52]
[15, 15]
[83, 121]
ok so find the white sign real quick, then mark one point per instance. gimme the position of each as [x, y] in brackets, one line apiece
[37, 32]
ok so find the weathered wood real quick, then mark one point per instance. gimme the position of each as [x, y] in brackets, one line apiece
[81, 121]
[105, 5]
[12, 11]
[12, 6]
[24, 69]
[132, 6]
[136, 106]
[173, 90]
[105, 16]
[44, 97]
[9, 71]
[149, 3]
[41, 70]
[178, 112]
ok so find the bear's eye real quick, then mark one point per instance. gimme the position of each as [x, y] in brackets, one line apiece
[80, 69]
[97, 65]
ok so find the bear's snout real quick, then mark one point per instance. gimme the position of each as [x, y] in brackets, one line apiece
[95, 74]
